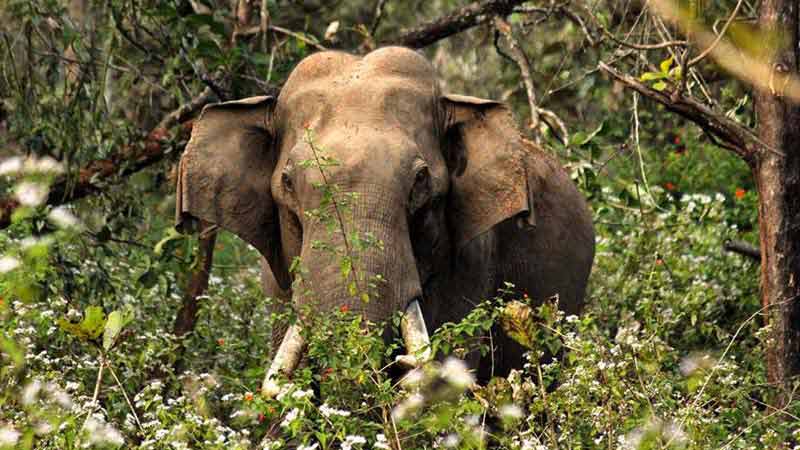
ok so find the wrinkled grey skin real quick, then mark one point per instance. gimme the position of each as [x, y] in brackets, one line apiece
[460, 201]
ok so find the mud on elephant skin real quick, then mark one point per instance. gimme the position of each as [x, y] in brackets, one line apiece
[460, 201]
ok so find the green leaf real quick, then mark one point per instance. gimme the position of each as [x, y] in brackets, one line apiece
[651, 76]
[117, 320]
[92, 325]
[660, 86]
[351, 288]
[172, 235]
[582, 139]
[666, 64]
[346, 267]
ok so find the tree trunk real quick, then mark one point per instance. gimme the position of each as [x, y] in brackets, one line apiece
[778, 180]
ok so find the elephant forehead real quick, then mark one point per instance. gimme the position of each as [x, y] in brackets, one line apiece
[338, 68]
[319, 65]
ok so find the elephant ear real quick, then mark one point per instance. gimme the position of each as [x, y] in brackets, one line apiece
[486, 155]
[224, 174]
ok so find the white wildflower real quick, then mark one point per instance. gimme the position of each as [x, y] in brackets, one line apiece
[309, 447]
[31, 194]
[290, 417]
[381, 442]
[8, 436]
[62, 217]
[510, 411]
[408, 406]
[46, 164]
[31, 392]
[413, 379]
[451, 440]
[300, 394]
[8, 263]
[328, 411]
[456, 373]
[10, 165]
[351, 440]
[101, 433]
[675, 434]
[42, 428]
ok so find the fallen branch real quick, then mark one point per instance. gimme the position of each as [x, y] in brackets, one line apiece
[742, 248]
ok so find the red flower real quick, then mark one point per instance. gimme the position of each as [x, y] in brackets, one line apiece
[261, 417]
[740, 193]
[659, 261]
[248, 396]
[220, 341]
[158, 134]
[344, 308]
[326, 372]
[676, 140]
[669, 186]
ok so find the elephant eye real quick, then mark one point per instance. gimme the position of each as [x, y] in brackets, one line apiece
[286, 180]
[421, 190]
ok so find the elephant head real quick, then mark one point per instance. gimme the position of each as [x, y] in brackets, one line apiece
[427, 172]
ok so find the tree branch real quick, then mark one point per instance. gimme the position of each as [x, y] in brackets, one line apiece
[132, 158]
[467, 17]
[520, 58]
[135, 157]
[729, 134]
[742, 248]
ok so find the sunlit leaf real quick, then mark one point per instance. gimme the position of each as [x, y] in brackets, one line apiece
[517, 321]
[92, 325]
[114, 325]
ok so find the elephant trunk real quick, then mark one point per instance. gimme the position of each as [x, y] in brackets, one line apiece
[359, 257]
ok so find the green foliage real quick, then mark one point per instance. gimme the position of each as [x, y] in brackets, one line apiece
[668, 352]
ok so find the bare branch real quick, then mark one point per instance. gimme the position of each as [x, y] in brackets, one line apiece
[742, 248]
[716, 42]
[520, 58]
[467, 17]
[732, 135]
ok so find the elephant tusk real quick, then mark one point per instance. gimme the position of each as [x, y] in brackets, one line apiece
[415, 336]
[286, 360]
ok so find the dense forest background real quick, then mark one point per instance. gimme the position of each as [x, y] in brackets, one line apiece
[116, 336]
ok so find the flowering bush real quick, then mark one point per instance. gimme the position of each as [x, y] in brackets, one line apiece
[664, 356]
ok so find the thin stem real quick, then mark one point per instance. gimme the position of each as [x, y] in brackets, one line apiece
[125, 394]
[339, 217]
[93, 403]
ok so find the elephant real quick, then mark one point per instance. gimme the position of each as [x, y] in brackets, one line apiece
[460, 201]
